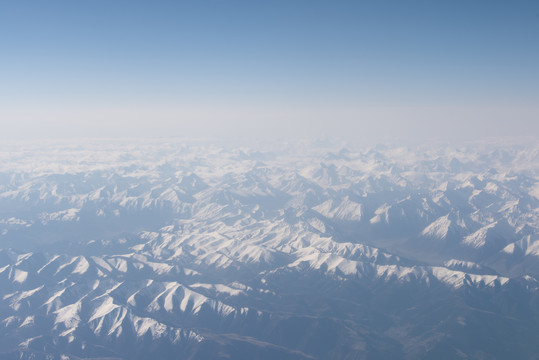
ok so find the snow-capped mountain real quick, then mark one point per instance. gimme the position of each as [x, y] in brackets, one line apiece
[190, 250]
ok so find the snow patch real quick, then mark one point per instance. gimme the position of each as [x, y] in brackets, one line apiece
[69, 315]
[19, 276]
[438, 229]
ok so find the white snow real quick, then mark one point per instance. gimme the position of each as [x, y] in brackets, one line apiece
[63, 215]
[19, 276]
[343, 210]
[438, 229]
[28, 321]
[143, 325]
[104, 308]
[82, 266]
[69, 315]
[218, 288]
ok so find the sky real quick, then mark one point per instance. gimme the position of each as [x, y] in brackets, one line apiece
[367, 70]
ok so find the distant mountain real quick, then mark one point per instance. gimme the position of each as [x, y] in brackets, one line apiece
[186, 250]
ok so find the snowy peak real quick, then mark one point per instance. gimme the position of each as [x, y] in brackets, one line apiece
[340, 210]
[445, 228]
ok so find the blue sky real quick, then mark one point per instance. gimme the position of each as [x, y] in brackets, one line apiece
[413, 69]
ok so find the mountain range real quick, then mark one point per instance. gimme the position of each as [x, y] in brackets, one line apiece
[183, 249]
